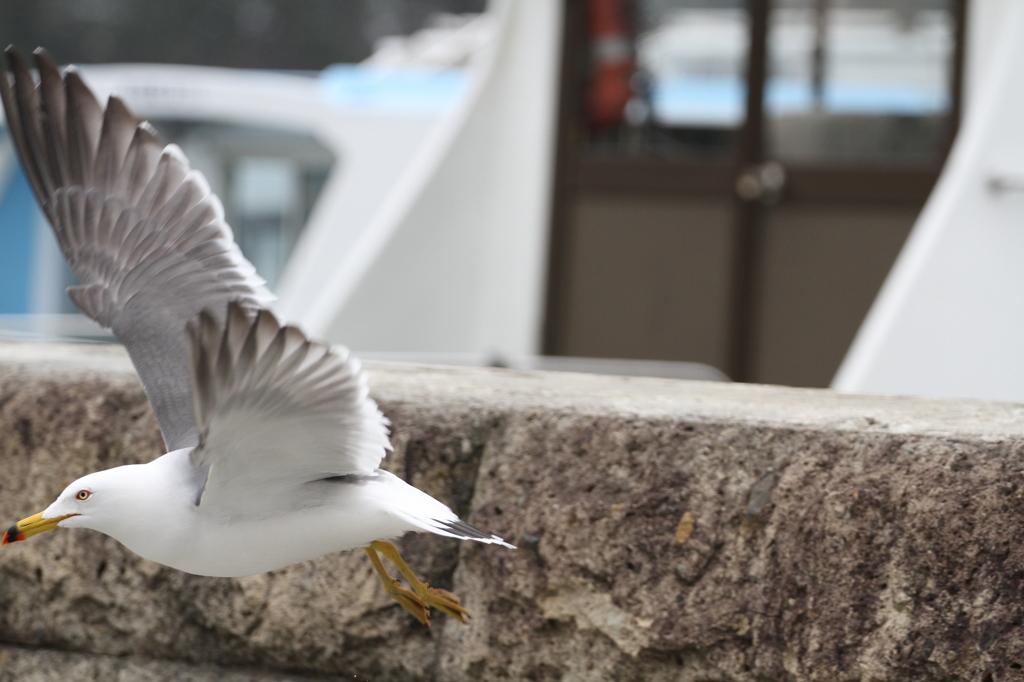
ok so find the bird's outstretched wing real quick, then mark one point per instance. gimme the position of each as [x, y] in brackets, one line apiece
[141, 230]
[276, 411]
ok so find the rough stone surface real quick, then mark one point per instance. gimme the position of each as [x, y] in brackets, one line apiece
[23, 664]
[668, 531]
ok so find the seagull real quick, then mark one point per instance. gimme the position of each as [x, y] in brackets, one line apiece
[273, 443]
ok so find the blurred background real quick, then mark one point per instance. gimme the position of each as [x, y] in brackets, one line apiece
[661, 182]
[758, 183]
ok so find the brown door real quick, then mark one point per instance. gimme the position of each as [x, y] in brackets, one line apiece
[745, 209]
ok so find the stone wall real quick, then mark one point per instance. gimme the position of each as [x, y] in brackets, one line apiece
[667, 531]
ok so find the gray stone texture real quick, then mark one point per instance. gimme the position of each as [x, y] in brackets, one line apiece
[25, 664]
[668, 530]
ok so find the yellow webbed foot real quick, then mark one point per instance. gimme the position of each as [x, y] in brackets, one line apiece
[446, 602]
[422, 596]
[411, 602]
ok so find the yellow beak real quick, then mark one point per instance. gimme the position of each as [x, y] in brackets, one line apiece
[26, 528]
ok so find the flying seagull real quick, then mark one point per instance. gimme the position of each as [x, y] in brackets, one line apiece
[273, 441]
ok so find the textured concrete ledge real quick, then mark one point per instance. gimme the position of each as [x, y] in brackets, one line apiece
[33, 664]
[668, 531]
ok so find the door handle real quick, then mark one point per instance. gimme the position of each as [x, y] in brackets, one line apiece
[762, 182]
[1006, 181]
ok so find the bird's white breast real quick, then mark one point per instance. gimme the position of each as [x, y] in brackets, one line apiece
[165, 525]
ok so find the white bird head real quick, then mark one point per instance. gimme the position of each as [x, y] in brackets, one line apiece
[111, 501]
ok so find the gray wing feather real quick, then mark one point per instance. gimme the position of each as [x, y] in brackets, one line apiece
[276, 411]
[141, 230]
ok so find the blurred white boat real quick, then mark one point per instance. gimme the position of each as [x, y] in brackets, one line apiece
[949, 320]
[399, 205]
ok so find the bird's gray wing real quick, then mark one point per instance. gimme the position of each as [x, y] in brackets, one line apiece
[277, 413]
[141, 230]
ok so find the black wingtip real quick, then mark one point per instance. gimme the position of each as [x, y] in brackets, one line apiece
[117, 107]
[14, 55]
[44, 58]
[73, 80]
[48, 71]
[7, 64]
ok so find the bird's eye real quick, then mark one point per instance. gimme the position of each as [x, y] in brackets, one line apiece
[83, 495]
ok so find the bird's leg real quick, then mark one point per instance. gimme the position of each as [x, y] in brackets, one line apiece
[442, 600]
[409, 601]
